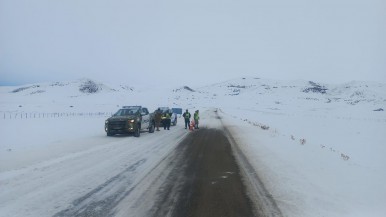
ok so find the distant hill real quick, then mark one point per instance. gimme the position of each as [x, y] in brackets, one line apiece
[276, 94]
[264, 94]
[81, 86]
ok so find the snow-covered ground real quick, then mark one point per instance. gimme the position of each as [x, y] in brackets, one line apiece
[319, 148]
[46, 168]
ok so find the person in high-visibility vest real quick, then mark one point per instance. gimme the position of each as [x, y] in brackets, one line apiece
[196, 117]
[186, 116]
[167, 121]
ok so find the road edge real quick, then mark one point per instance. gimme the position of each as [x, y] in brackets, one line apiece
[263, 201]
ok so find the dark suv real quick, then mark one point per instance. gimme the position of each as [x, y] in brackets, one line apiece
[130, 119]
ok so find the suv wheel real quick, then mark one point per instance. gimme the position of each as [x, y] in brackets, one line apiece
[137, 132]
[151, 127]
[109, 133]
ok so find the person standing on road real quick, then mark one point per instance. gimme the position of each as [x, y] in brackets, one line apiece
[196, 118]
[167, 120]
[187, 116]
[157, 118]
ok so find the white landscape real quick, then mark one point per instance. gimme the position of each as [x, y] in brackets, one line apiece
[318, 148]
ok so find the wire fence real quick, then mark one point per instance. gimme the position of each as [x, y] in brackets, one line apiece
[32, 115]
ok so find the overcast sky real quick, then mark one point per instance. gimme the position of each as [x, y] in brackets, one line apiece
[197, 42]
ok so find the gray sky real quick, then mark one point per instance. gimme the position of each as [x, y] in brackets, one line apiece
[179, 42]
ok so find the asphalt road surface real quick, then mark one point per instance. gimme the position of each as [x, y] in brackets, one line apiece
[207, 180]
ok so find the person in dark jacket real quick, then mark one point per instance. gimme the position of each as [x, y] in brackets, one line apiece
[158, 118]
[187, 116]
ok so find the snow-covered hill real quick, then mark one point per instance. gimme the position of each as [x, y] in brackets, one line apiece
[75, 88]
[61, 96]
[268, 95]
[293, 95]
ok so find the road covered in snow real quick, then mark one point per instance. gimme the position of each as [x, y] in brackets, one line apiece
[166, 173]
[82, 172]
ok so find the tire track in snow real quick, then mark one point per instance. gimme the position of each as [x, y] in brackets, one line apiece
[101, 200]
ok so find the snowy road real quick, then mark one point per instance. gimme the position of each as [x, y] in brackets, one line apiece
[85, 181]
[168, 173]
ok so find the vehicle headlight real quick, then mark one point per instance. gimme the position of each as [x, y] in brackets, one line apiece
[106, 121]
[131, 121]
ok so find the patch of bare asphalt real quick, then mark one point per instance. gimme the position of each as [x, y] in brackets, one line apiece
[205, 182]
